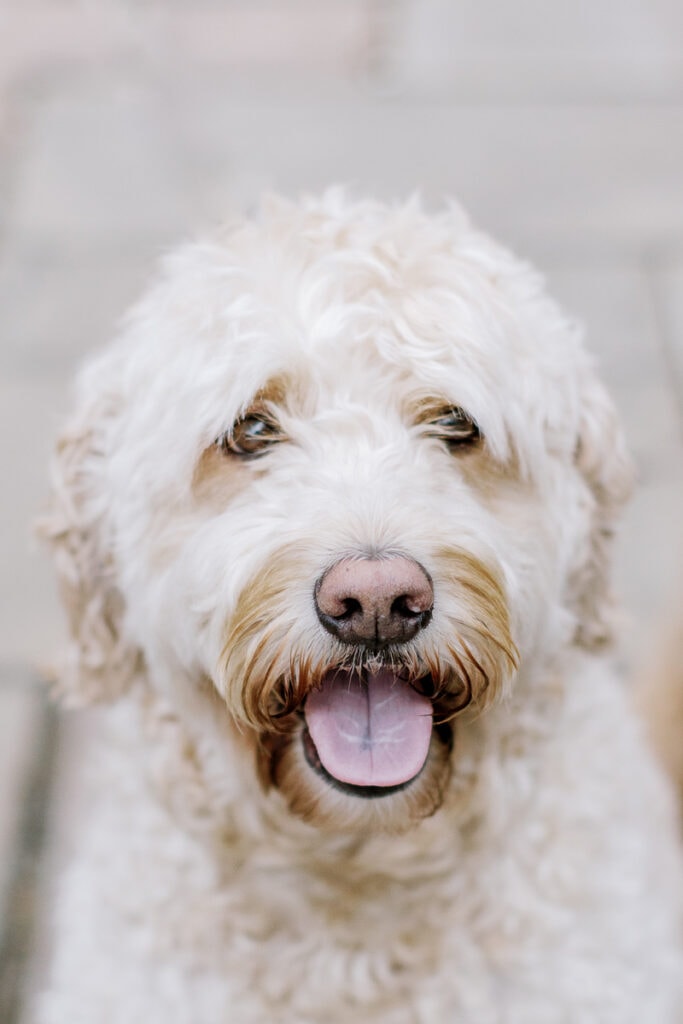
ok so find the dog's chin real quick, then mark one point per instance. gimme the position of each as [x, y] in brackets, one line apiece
[291, 763]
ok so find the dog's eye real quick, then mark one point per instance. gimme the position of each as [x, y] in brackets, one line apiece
[251, 436]
[455, 428]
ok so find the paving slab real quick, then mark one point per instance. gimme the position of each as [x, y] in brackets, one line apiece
[616, 306]
[61, 302]
[26, 757]
[667, 286]
[614, 303]
[125, 160]
[331, 37]
[31, 625]
[485, 50]
[102, 165]
[21, 706]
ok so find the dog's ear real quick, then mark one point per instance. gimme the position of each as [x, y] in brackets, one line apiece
[99, 663]
[605, 464]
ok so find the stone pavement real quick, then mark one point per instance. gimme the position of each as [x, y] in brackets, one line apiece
[125, 126]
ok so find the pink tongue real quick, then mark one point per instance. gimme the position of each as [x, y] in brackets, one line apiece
[369, 732]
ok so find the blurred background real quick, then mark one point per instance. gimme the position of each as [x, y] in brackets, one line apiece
[126, 125]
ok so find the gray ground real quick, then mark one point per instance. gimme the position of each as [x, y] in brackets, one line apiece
[126, 125]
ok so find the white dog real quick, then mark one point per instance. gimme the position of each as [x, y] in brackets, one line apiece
[332, 520]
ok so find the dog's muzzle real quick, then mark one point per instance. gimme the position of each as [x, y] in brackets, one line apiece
[363, 700]
[371, 728]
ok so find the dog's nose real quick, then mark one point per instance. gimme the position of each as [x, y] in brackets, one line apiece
[374, 601]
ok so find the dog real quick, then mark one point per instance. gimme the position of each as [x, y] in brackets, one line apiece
[332, 521]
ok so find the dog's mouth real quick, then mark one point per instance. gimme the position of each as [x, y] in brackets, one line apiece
[368, 733]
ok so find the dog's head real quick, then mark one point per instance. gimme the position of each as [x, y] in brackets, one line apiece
[350, 465]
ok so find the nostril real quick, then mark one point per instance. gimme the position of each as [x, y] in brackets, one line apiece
[351, 607]
[406, 607]
[400, 607]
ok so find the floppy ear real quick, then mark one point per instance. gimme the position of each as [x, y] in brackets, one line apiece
[99, 664]
[605, 464]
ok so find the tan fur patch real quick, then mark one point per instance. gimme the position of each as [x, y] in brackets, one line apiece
[217, 478]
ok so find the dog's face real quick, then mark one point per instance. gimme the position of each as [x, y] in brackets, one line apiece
[352, 467]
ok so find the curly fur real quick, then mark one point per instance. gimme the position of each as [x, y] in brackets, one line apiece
[531, 872]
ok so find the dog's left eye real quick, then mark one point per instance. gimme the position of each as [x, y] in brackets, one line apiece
[455, 427]
[251, 436]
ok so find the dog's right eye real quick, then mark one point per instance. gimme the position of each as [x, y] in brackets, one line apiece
[251, 436]
[455, 427]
